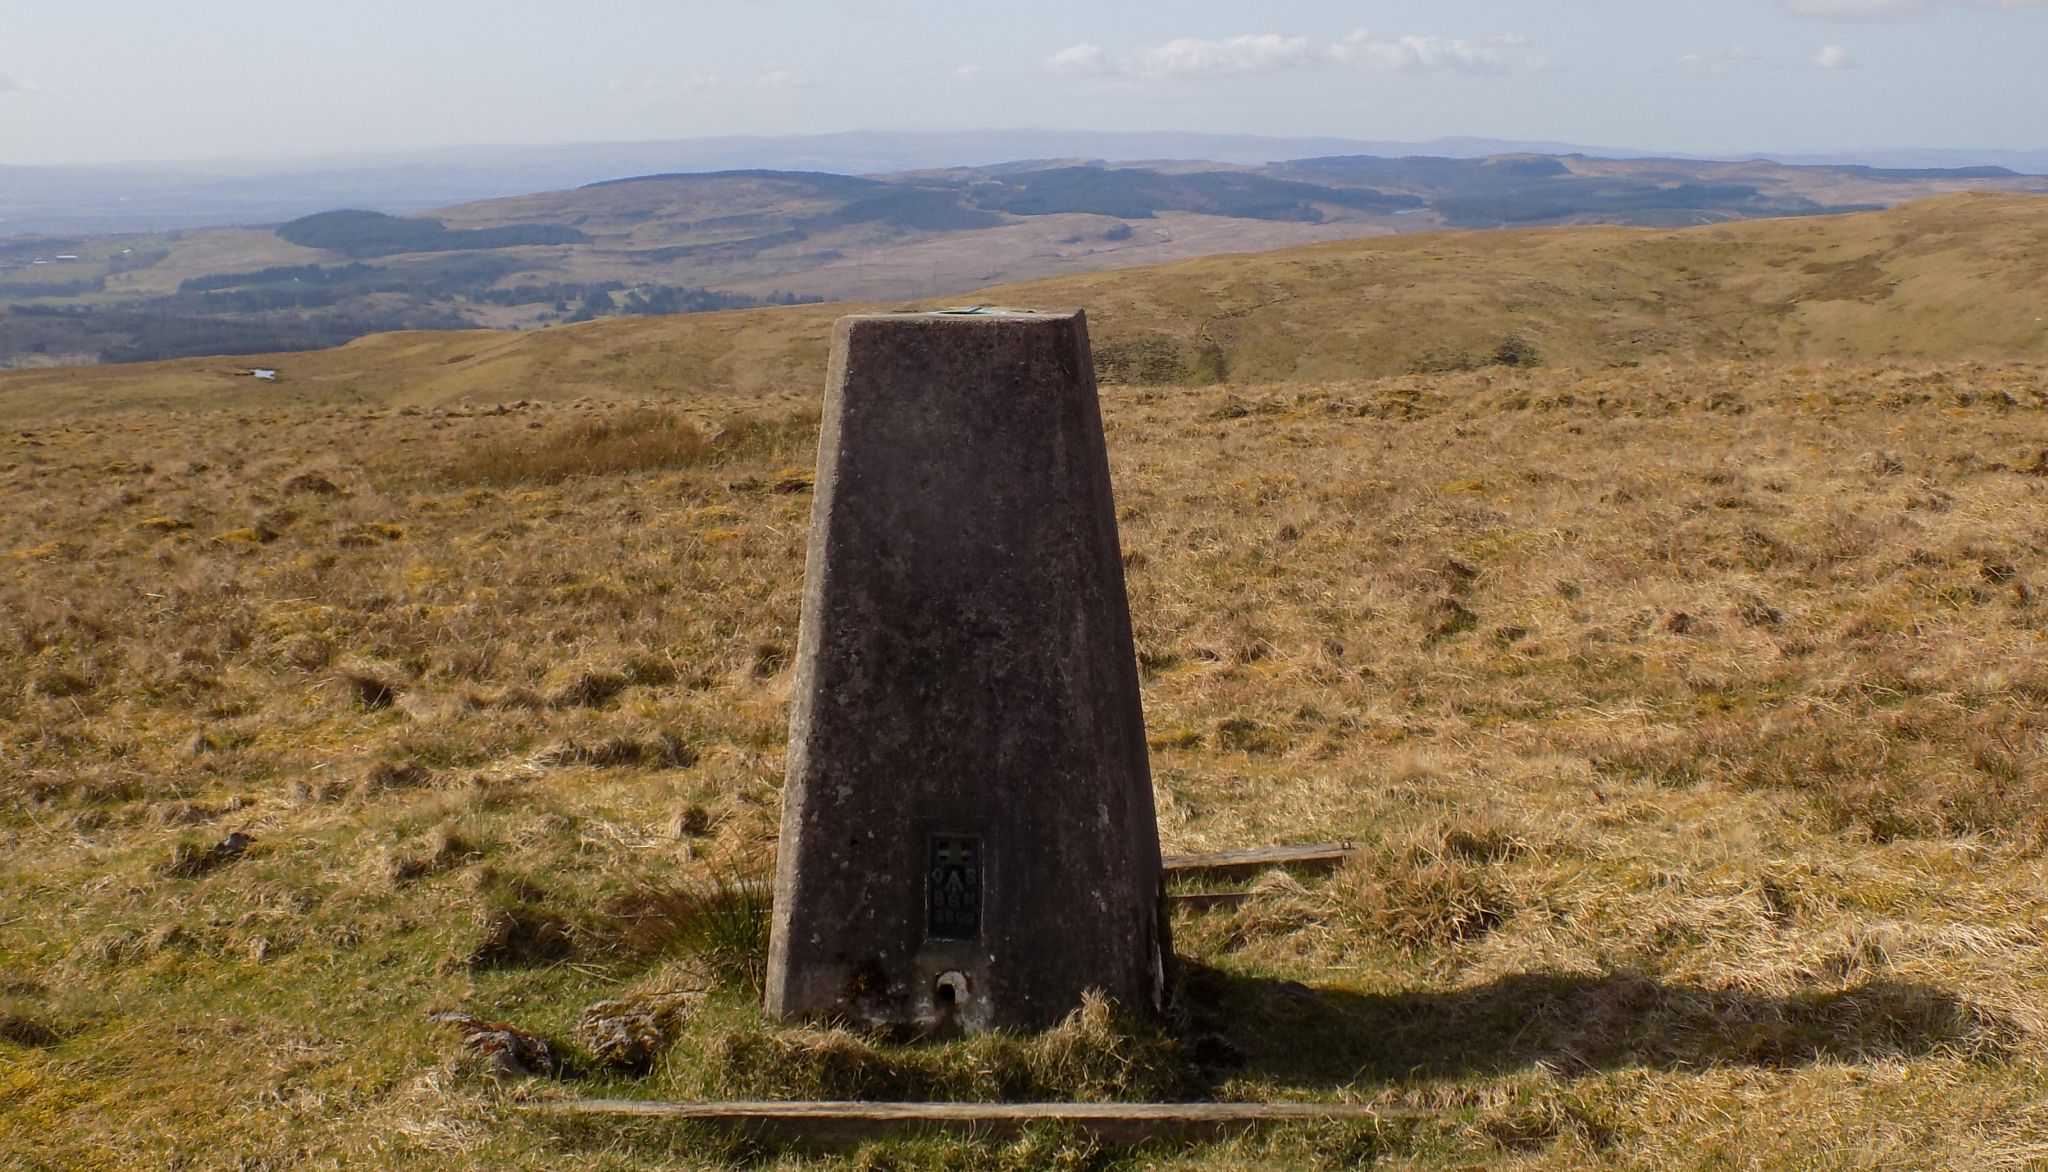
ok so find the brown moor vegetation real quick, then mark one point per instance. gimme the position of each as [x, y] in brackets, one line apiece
[1691, 716]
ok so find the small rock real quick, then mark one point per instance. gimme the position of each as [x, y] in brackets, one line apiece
[511, 1051]
[629, 1033]
[188, 861]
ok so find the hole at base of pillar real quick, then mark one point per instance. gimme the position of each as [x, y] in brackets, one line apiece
[950, 990]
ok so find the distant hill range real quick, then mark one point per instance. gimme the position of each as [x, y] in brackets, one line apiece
[1957, 277]
[154, 197]
[685, 242]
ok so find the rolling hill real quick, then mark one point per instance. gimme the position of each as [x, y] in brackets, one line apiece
[157, 197]
[669, 243]
[1954, 277]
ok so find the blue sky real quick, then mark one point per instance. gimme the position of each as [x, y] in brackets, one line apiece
[117, 80]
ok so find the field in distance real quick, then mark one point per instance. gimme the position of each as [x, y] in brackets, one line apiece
[665, 244]
[1690, 715]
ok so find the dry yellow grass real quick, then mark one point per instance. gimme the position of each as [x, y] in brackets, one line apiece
[1691, 718]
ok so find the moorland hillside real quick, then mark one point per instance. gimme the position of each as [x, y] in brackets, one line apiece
[1686, 706]
[700, 242]
[1953, 277]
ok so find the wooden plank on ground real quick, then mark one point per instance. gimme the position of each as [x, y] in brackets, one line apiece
[830, 1123]
[1327, 856]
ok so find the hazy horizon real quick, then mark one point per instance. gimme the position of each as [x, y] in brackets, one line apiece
[218, 80]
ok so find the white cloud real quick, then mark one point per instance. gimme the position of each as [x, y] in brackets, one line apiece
[1192, 57]
[775, 77]
[1415, 54]
[1250, 54]
[1084, 59]
[1834, 57]
[969, 72]
[1861, 9]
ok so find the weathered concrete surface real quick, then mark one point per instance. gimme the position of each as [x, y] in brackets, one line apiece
[968, 835]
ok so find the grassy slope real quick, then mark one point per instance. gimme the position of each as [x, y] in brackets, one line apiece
[1692, 716]
[1693, 721]
[1960, 276]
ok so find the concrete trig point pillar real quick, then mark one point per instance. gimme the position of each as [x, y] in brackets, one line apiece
[968, 836]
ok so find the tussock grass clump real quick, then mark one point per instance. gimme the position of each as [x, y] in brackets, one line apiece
[662, 750]
[391, 775]
[444, 848]
[369, 686]
[513, 924]
[1096, 1054]
[774, 442]
[721, 923]
[23, 1028]
[310, 484]
[1419, 900]
[589, 689]
[514, 934]
[640, 439]
[1516, 350]
[61, 683]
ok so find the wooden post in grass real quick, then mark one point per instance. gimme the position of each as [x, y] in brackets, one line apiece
[968, 836]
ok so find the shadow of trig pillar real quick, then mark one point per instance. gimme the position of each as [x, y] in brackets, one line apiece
[968, 836]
